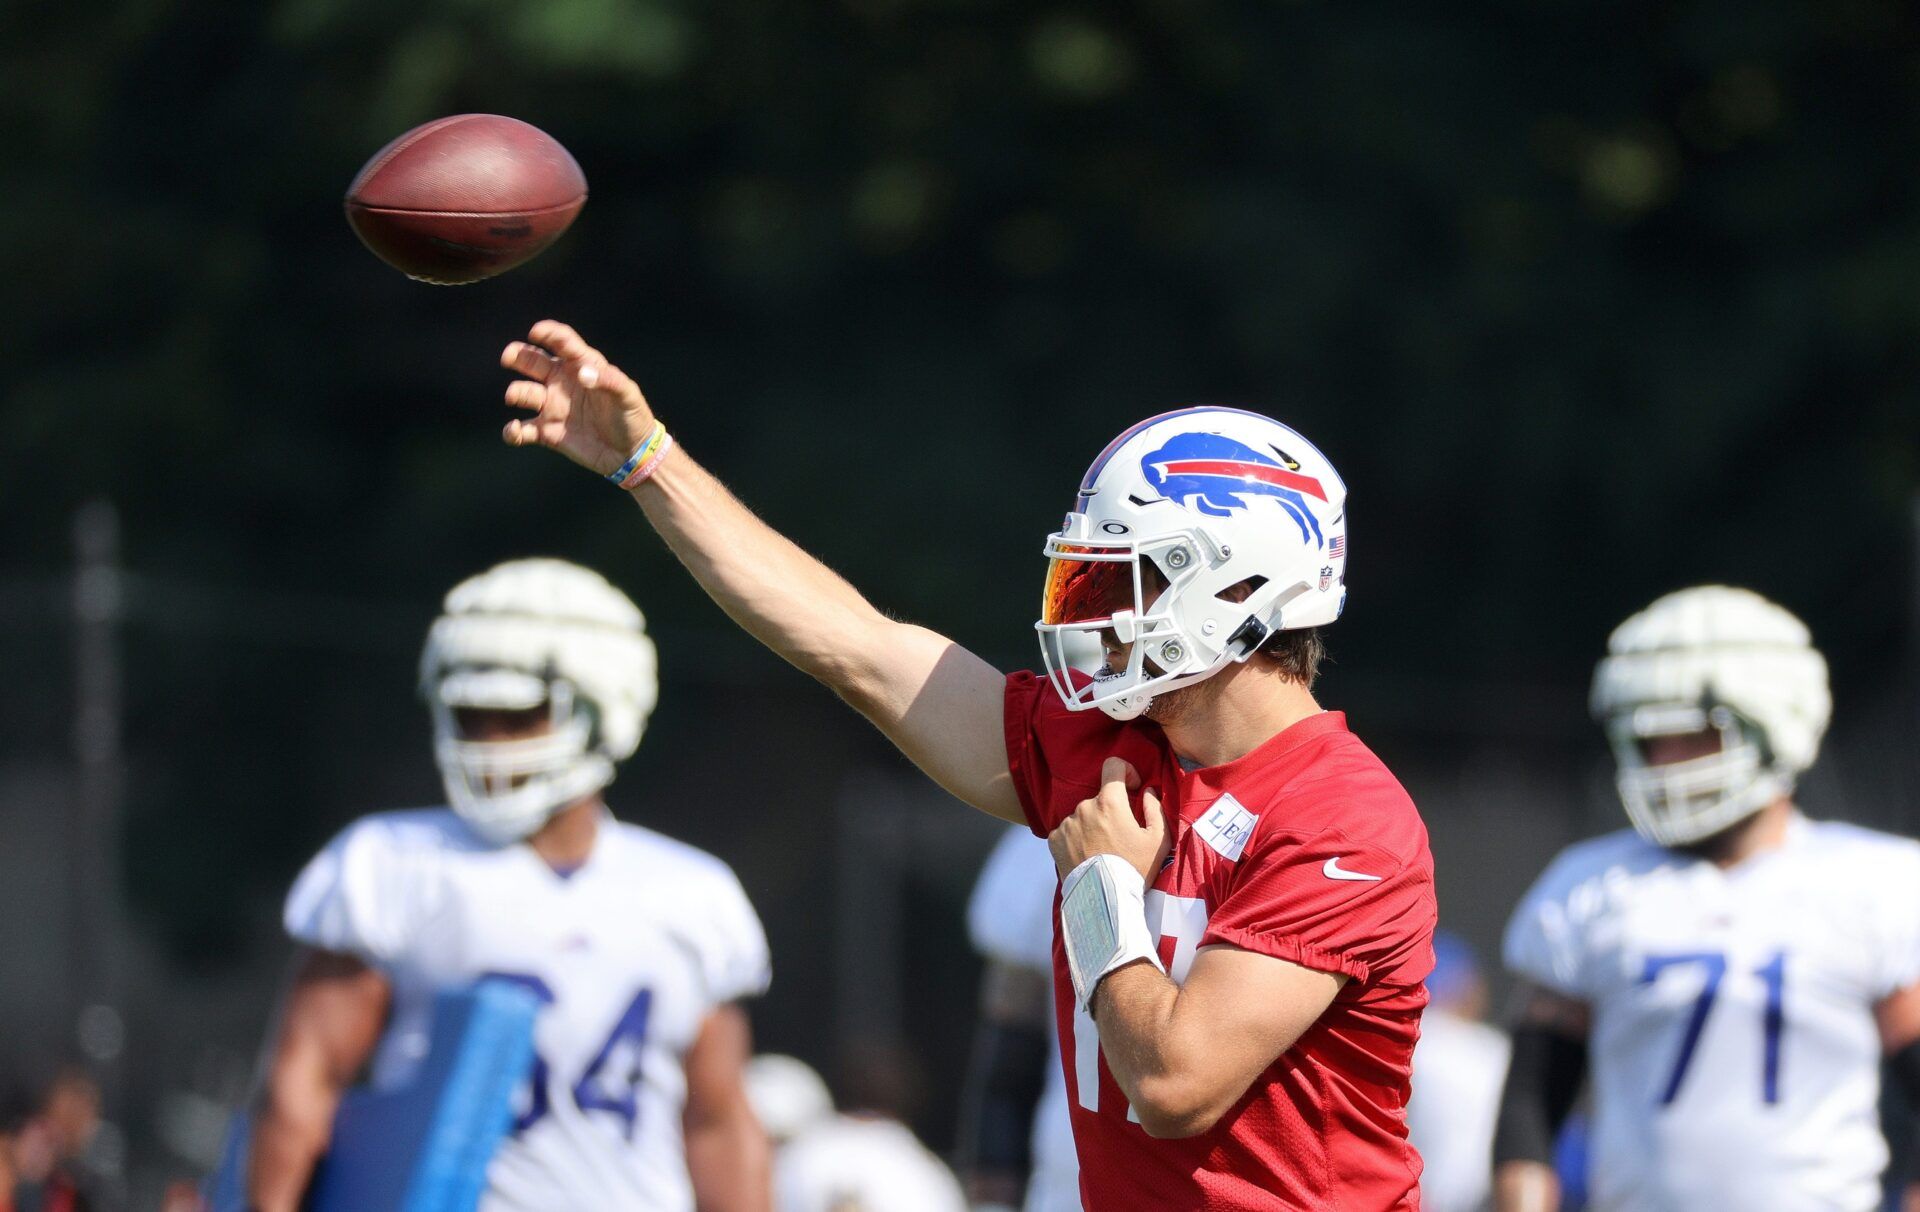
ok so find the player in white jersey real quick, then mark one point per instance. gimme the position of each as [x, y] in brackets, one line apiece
[828, 1162]
[540, 677]
[1458, 1069]
[1015, 1118]
[1736, 972]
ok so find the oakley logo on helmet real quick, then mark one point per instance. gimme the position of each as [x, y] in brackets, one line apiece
[1211, 473]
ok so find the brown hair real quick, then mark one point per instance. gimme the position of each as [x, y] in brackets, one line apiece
[1297, 653]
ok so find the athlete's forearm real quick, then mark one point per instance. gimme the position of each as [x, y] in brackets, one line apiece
[935, 700]
[1525, 1186]
[781, 595]
[1135, 1008]
[292, 1127]
[1185, 1054]
[730, 1163]
[335, 1010]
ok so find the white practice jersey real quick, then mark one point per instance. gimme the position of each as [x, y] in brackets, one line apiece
[1010, 918]
[1459, 1067]
[854, 1163]
[630, 953]
[1735, 1056]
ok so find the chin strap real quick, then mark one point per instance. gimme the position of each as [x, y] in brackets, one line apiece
[1103, 920]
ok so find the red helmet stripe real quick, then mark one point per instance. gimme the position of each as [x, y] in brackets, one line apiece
[1248, 471]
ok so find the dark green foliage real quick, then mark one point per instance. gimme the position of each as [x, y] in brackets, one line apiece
[1587, 301]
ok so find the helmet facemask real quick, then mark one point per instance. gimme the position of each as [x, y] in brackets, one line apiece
[507, 789]
[1710, 659]
[1095, 588]
[1683, 802]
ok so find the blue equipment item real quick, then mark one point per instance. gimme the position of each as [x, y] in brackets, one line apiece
[425, 1147]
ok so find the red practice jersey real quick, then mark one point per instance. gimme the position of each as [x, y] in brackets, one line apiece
[1306, 849]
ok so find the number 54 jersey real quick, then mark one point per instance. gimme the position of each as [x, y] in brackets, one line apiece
[629, 954]
[1735, 1055]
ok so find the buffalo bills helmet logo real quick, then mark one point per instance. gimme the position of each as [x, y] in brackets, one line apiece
[1216, 474]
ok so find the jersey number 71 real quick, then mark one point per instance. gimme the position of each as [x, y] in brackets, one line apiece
[1714, 964]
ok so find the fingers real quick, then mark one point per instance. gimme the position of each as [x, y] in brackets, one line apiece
[1156, 824]
[561, 340]
[604, 375]
[1150, 805]
[527, 395]
[521, 433]
[1120, 770]
[535, 363]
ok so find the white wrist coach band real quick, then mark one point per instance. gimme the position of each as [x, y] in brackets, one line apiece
[1103, 922]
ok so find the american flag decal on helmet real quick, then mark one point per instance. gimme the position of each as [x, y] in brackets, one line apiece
[1336, 546]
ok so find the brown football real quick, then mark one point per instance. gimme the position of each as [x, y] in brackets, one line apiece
[464, 198]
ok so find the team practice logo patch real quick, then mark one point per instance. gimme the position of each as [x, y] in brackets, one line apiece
[1216, 474]
[1226, 827]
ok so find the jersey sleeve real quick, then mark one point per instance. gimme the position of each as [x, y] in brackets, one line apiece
[1010, 916]
[734, 958]
[1055, 755]
[1545, 937]
[1331, 903]
[364, 895]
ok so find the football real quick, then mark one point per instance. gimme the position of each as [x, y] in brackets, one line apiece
[464, 198]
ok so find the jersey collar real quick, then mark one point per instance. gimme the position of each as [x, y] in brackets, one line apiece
[1293, 736]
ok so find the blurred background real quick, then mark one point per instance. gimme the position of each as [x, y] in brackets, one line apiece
[1587, 302]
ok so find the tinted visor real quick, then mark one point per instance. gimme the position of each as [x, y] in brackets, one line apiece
[1086, 590]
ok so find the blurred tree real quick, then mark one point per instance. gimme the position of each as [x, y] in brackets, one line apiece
[1587, 301]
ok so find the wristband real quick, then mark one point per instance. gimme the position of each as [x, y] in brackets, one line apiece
[1103, 922]
[652, 463]
[645, 457]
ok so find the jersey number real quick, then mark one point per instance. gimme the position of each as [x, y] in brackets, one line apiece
[1773, 1017]
[1180, 918]
[610, 1082]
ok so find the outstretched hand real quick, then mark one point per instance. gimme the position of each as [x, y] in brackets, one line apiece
[584, 406]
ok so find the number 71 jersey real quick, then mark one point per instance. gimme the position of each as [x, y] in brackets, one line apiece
[628, 954]
[1735, 1058]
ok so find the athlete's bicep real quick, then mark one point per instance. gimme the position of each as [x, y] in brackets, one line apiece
[1257, 1005]
[943, 707]
[716, 1065]
[336, 1009]
[1546, 1068]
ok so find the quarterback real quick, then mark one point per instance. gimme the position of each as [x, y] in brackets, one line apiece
[1731, 972]
[540, 677]
[1247, 905]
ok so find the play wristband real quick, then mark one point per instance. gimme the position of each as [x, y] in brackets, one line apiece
[1103, 922]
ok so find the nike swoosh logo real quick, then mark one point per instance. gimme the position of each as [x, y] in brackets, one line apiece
[1334, 871]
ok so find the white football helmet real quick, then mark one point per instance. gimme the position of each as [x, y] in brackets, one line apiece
[786, 1094]
[1210, 498]
[523, 634]
[1719, 658]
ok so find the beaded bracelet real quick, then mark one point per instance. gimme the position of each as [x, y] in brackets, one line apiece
[652, 462]
[646, 450]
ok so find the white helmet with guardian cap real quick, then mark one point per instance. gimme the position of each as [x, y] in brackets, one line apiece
[526, 634]
[1710, 657]
[1242, 519]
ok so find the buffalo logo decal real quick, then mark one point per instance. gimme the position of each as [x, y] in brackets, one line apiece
[1216, 475]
